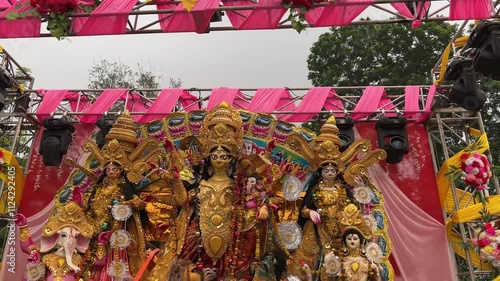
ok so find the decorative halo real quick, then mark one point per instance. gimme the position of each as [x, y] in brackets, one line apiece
[120, 239]
[117, 269]
[292, 188]
[363, 194]
[373, 252]
[332, 264]
[35, 271]
[290, 234]
[370, 221]
[121, 212]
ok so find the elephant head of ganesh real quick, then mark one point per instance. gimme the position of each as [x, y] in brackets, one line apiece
[66, 234]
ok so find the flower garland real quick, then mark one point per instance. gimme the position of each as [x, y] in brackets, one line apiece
[298, 9]
[476, 169]
[55, 12]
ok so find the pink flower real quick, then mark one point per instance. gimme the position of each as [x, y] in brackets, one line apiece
[480, 187]
[468, 169]
[483, 242]
[488, 225]
[490, 231]
[474, 241]
[464, 156]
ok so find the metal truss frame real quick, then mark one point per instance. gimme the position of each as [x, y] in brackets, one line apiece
[447, 132]
[349, 95]
[140, 19]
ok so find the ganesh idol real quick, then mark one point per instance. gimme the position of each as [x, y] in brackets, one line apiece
[214, 237]
[64, 240]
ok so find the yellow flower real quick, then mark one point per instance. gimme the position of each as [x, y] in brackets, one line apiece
[186, 175]
[488, 249]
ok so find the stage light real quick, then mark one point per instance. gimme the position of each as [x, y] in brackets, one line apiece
[464, 92]
[393, 137]
[104, 123]
[3, 95]
[485, 38]
[346, 135]
[55, 140]
[22, 102]
[217, 17]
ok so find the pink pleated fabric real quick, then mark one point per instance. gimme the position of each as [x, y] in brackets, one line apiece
[79, 22]
[197, 20]
[238, 17]
[77, 102]
[470, 9]
[313, 101]
[107, 25]
[266, 15]
[189, 102]
[19, 28]
[266, 100]
[338, 13]
[428, 105]
[333, 103]
[420, 246]
[219, 95]
[368, 103]
[411, 101]
[50, 102]
[385, 103]
[163, 105]
[404, 11]
[136, 103]
[4, 4]
[104, 102]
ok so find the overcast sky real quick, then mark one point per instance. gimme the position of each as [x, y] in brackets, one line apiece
[241, 59]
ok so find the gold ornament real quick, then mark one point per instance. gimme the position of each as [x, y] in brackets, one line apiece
[351, 218]
[122, 148]
[69, 215]
[324, 151]
[222, 127]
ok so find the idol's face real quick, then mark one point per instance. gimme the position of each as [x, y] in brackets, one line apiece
[113, 172]
[329, 173]
[352, 241]
[220, 159]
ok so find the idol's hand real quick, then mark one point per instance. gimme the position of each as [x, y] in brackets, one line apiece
[315, 217]
[262, 213]
[20, 219]
[34, 257]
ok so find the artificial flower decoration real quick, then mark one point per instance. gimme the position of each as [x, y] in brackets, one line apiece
[290, 234]
[476, 169]
[121, 212]
[118, 269]
[373, 252]
[488, 242]
[35, 271]
[120, 239]
[56, 13]
[298, 9]
[363, 194]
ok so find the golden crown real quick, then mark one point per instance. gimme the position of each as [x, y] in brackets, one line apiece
[69, 215]
[222, 128]
[351, 218]
[122, 148]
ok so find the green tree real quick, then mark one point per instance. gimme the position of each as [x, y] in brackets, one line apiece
[110, 75]
[392, 54]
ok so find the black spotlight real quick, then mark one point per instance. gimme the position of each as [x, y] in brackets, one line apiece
[346, 135]
[22, 102]
[464, 91]
[393, 137]
[104, 123]
[3, 95]
[485, 38]
[55, 140]
[217, 17]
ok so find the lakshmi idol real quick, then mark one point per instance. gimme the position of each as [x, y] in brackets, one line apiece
[212, 243]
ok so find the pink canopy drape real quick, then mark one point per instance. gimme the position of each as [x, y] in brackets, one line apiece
[337, 13]
[470, 9]
[116, 24]
[422, 9]
[20, 28]
[164, 104]
[196, 20]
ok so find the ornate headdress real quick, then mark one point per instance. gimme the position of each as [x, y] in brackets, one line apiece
[351, 218]
[69, 215]
[325, 150]
[222, 128]
[122, 148]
